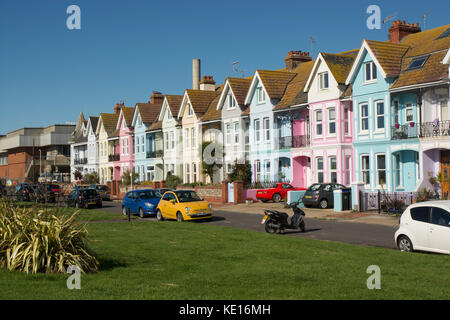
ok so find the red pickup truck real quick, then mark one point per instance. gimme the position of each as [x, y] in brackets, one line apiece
[276, 193]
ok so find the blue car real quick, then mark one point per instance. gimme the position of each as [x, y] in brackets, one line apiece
[142, 202]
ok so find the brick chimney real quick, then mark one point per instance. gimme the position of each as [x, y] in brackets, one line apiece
[401, 29]
[157, 98]
[207, 83]
[118, 107]
[295, 58]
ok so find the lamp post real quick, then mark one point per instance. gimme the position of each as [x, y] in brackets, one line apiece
[131, 147]
[40, 163]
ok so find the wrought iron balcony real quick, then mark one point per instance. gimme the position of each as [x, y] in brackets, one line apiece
[285, 142]
[114, 157]
[155, 154]
[405, 131]
[435, 129]
[79, 161]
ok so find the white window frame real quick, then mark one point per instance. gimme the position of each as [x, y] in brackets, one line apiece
[347, 170]
[397, 168]
[228, 133]
[409, 106]
[372, 68]
[260, 95]
[190, 110]
[317, 122]
[330, 170]
[361, 105]
[367, 185]
[172, 140]
[346, 121]
[257, 129]
[236, 132]
[377, 170]
[321, 81]
[331, 121]
[257, 170]
[266, 128]
[377, 115]
[231, 102]
[267, 170]
[320, 170]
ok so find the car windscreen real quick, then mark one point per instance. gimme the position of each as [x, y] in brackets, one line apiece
[188, 196]
[274, 186]
[88, 193]
[314, 187]
[149, 194]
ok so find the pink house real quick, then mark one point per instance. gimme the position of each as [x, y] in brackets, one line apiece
[323, 152]
[125, 147]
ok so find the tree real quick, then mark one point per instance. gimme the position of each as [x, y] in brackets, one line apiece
[212, 155]
[172, 181]
[78, 175]
[91, 178]
[126, 177]
[241, 172]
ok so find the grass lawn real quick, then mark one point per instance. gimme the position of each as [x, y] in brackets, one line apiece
[170, 260]
[88, 215]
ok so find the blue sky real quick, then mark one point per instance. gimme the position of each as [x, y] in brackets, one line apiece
[127, 49]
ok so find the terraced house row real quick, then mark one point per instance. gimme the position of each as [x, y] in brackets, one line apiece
[377, 114]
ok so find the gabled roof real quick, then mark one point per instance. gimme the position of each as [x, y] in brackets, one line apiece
[149, 112]
[295, 93]
[429, 45]
[93, 122]
[199, 100]
[239, 88]
[109, 121]
[273, 82]
[128, 114]
[386, 55]
[213, 114]
[174, 103]
[155, 126]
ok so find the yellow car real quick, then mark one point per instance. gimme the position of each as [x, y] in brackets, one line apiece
[182, 205]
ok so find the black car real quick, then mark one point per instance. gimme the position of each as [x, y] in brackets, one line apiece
[321, 195]
[84, 198]
[3, 192]
[103, 190]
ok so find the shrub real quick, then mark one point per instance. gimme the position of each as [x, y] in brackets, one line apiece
[36, 240]
[425, 195]
[147, 183]
[241, 172]
[126, 177]
[91, 178]
[172, 181]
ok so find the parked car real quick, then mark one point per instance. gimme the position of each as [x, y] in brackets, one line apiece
[3, 192]
[275, 193]
[321, 195]
[24, 192]
[49, 192]
[425, 226]
[84, 198]
[142, 202]
[163, 190]
[183, 205]
[104, 191]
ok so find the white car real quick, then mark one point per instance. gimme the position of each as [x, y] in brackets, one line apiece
[425, 226]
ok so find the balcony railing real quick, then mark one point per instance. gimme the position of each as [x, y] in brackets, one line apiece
[285, 142]
[155, 154]
[78, 161]
[300, 141]
[114, 157]
[424, 130]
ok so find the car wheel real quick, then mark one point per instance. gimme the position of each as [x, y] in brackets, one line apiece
[404, 244]
[323, 204]
[141, 213]
[179, 217]
[159, 216]
[276, 197]
[100, 205]
[124, 211]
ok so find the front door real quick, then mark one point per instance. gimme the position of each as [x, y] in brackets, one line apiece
[445, 172]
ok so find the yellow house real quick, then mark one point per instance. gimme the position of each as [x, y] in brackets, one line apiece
[194, 105]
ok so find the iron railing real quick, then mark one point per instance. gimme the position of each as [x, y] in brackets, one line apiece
[114, 157]
[155, 154]
[421, 130]
[300, 141]
[78, 161]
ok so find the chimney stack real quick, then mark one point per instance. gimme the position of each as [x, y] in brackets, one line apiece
[157, 98]
[207, 83]
[295, 58]
[118, 107]
[195, 74]
[401, 29]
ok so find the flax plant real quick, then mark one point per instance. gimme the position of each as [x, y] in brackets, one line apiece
[39, 239]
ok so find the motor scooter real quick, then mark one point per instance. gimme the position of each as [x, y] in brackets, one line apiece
[277, 222]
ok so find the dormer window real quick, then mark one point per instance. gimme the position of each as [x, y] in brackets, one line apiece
[124, 126]
[323, 80]
[231, 102]
[169, 115]
[139, 121]
[261, 96]
[191, 111]
[370, 72]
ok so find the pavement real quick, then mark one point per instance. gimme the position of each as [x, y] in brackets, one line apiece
[355, 228]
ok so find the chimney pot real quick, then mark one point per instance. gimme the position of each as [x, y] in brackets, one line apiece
[400, 29]
[295, 58]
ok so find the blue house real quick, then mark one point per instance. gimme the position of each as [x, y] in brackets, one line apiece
[383, 158]
[145, 117]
